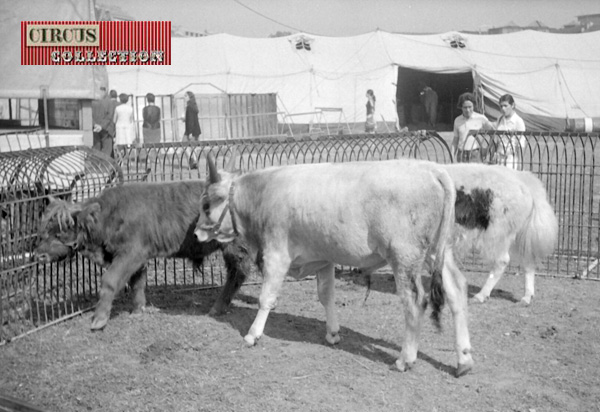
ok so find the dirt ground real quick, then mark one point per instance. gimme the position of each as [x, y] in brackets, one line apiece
[175, 357]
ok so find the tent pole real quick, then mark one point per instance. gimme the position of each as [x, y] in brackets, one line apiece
[44, 91]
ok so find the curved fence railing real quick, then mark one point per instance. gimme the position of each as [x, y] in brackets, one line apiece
[170, 161]
[33, 295]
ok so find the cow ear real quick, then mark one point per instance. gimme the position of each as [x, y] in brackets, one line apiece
[229, 167]
[92, 214]
[213, 175]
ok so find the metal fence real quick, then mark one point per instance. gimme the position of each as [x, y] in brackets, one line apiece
[34, 295]
[30, 294]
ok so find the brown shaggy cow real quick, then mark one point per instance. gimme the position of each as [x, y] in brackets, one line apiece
[126, 226]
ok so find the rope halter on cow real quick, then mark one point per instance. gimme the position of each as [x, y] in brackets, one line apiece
[215, 230]
[214, 177]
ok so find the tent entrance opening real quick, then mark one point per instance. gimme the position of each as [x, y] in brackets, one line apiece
[448, 87]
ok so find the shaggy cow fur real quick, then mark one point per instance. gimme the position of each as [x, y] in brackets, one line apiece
[128, 225]
[505, 214]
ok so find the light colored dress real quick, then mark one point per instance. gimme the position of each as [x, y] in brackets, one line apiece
[509, 148]
[125, 134]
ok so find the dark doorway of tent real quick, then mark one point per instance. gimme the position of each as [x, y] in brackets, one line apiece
[411, 110]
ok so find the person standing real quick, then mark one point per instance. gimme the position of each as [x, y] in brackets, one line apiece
[104, 126]
[125, 134]
[114, 100]
[370, 124]
[429, 98]
[151, 116]
[192, 125]
[509, 147]
[465, 147]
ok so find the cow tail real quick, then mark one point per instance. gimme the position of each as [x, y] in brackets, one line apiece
[436, 291]
[538, 237]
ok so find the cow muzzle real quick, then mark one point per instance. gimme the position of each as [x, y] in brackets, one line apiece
[202, 235]
[206, 233]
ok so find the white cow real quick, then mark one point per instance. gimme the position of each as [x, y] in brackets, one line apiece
[505, 214]
[303, 219]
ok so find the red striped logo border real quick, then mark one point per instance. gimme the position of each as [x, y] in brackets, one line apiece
[121, 43]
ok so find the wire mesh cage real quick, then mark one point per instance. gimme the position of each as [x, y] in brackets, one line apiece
[31, 293]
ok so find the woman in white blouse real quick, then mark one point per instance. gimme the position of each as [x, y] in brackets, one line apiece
[465, 147]
[509, 147]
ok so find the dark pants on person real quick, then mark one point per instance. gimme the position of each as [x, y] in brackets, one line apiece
[468, 156]
[104, 143]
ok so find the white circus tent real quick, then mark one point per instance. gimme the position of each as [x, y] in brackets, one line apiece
[553, 77]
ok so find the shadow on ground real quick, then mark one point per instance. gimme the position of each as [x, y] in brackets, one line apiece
[384, 282]
[281, 326]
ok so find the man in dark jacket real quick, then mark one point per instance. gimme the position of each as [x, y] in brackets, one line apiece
[103, 111]
[192, 125]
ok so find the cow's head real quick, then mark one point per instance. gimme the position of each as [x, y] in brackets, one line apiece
[57, 232]
[216, 214]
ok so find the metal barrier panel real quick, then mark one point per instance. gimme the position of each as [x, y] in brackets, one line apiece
[31, 294]
[176, 161]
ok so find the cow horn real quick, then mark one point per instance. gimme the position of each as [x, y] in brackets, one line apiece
[229, 167]
[213, 175]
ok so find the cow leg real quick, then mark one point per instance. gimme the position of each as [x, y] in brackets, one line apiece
[138, 286]
[455, 288]
[412, 294]
[237, 262]
[326, 291]
[275, 267]
[529, 284]
[495, 275]
[117, 274]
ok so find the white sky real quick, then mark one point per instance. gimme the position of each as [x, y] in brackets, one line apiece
[352, 17]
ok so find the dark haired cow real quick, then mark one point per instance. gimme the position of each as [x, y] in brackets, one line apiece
[127, 225]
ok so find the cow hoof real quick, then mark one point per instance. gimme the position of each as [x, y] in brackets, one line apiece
[333, 338]
[216, 311]
[477, 299]
[139, 310]
[250, 340]
[464, 368]
[404, 366]
[99, 323]
[526, 300]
